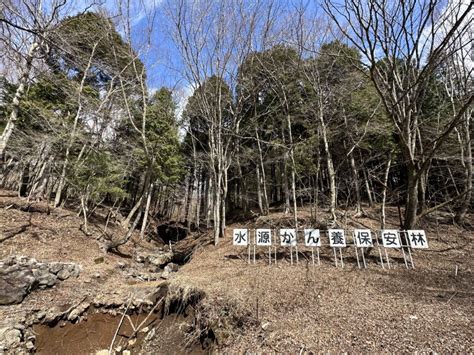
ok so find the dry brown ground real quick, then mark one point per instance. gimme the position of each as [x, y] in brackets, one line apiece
[286, 308]
[56, 237]
[329, 309]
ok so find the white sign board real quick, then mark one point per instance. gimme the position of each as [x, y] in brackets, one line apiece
[417, 239]
[288, 237]
[363, 238]
[312, 238]
[390, 238]
[337, 239]
[240, 237]
[263, 237]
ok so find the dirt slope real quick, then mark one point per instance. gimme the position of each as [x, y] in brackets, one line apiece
[261, 307]
[323, 308]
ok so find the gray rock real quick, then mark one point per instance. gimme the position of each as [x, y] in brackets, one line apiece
[9, 269]
[140, 259]
[40, 315]
[11, 337]
[63, 274]
[76, 312]
[19, 275]
[19, 326]
[52, 315]
[30, 346]
[55, 267]
[46, 279]
[14, 286]
[165, 275]
[24, 260]
[74, 270]
[172, 267]
[160, 260]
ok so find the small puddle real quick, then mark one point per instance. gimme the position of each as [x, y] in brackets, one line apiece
[97, 331]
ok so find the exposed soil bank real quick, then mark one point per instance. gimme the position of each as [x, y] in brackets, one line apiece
[168, 327]
[98, 330]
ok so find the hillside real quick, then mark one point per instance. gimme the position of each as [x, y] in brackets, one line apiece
[216, 300]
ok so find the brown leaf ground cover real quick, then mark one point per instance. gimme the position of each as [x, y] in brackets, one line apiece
[275, 308]
[327, 309]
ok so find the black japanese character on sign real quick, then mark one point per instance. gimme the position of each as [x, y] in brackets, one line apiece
[364, 238]
[337, 238]
[240, 237]
[263, 237]
[312, 239]
[417, 238]
[390, 238]
[287, 237]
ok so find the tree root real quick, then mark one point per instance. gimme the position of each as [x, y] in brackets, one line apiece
[30, 207]
[12, 233]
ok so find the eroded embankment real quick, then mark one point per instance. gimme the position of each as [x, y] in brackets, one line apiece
[174, 319]
[163, 323]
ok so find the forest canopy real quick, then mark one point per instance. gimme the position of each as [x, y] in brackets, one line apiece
[333, 105]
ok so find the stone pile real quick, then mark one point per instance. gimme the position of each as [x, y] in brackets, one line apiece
[19, 275]
[160, 266]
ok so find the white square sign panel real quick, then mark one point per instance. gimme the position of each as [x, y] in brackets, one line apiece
[240, 237]
[288, 237]
[390, 238]
[263, 237]
[363, 238]
[417, 239]
[312, 238]
[337, 239]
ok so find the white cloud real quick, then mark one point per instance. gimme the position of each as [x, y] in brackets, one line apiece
[145, 8]
[139, 9]
[181, 97]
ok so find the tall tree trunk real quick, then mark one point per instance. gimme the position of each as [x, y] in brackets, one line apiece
[39, 172]
[293, 171]
[242, 187]
[223, 202]
[39, 192]
[72, 137]
[330, 168]
[316, 189]
[24, 180]
[367, 187]
[10, 126]
[194, 181]
[147, 209]
[216, 208]
[127, 220]
[284, 183]
[466, 157]
[384, 191]
[84, 210]
[263, 176]
[198, 197]
[259, 190]
[366, 180]
[209, 201]
[186, 198]
[355, 174]
[411, 206]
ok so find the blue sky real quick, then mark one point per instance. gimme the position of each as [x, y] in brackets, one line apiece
[156, 48]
